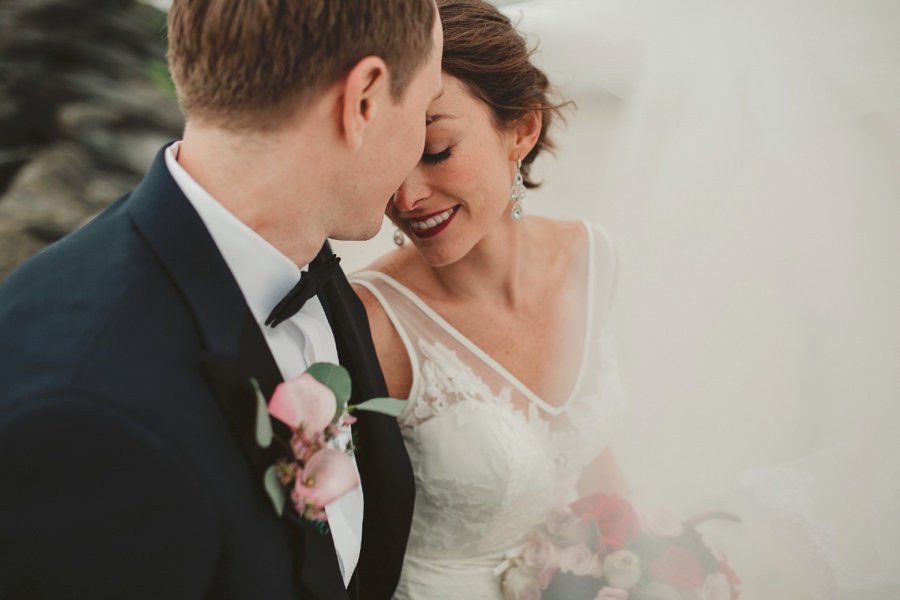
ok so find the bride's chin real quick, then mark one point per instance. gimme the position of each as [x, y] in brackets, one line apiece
[436, 258]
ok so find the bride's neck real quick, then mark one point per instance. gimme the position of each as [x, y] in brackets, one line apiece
[495, 270]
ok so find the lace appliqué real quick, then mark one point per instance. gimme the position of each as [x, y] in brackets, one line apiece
[489, 464]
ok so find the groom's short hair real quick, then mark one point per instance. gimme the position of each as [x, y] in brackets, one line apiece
[251, 64]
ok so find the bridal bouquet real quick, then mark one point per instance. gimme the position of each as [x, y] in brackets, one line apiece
[600, 549]
[318, 466]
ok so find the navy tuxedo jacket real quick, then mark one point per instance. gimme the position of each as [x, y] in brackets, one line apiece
[128, 467]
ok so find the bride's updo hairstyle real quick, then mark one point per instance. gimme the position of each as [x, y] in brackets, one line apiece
[484, 51]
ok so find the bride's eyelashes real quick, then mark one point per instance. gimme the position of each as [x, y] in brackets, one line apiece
[433, 159]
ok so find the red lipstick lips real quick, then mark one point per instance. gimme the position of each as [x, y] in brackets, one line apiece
[435, 229]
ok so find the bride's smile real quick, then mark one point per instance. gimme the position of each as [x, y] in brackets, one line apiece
[459, 193]
[431, 224]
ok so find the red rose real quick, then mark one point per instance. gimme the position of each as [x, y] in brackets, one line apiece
[677, 567]
[615, 518]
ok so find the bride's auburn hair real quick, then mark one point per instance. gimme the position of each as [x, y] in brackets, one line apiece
[483, 50]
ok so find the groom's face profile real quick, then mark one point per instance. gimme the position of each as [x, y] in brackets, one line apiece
[392, 147]
[330, 140]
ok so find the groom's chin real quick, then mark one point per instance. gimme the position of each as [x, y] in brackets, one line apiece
[358, 231]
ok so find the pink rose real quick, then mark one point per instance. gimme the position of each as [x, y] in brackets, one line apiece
[304, 445]
[304, 403]
[614, 516]
[328, 475]
[579, 560]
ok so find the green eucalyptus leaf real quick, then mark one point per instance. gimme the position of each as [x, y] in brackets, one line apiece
[274, 489]
[263, 424]
[336, 378]
[386, 406]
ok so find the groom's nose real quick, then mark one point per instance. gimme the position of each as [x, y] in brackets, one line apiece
[411, 191]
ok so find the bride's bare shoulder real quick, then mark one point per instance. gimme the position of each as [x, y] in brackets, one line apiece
[398, 264]
[563, 237]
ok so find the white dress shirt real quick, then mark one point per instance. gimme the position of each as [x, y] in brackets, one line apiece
[265, 275]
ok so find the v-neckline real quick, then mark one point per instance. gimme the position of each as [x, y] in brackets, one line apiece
[486, 358]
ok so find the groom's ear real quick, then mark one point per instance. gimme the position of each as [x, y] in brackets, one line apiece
[365, 89]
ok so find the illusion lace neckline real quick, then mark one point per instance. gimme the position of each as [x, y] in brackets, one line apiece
[552, 409]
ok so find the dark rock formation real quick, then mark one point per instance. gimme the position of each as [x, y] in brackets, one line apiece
[85, 102]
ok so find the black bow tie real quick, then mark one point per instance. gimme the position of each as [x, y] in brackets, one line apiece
[321, 269]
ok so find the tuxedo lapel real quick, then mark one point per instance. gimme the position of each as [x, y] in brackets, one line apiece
[384, 466]
[316, 573]
[236, 351]
[230, 376]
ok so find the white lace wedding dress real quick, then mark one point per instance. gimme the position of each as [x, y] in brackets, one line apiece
[491, 458]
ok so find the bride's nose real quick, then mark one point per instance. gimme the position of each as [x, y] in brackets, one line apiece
[411, 191]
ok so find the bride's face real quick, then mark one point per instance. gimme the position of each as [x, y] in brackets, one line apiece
[460, 189]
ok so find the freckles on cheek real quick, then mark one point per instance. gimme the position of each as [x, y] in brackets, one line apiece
[466, 178]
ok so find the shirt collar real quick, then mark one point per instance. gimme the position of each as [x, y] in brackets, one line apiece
[262, 272]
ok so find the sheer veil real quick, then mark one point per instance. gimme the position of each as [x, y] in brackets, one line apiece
[744, 157]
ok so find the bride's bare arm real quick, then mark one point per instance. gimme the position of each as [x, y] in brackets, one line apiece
[388, 346]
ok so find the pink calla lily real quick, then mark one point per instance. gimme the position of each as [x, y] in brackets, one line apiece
[328, 475]
[303, 401]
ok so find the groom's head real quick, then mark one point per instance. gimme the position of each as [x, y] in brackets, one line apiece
[357, 75]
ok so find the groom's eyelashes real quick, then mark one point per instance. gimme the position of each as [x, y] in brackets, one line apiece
[433, 159]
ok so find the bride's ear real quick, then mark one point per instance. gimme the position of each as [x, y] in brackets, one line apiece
[365, 89]
[528, 130]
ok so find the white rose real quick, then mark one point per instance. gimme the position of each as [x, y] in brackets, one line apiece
[565, 528]
[519, 584]
[579, 560]
[541, 555]
[622, 569]
[662, 522]
[716, 587]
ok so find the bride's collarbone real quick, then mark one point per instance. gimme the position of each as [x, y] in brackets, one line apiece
[533, 344]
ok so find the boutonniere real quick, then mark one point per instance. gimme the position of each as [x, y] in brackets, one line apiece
[317, 467]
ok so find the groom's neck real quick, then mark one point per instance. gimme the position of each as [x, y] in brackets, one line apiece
[270, 181]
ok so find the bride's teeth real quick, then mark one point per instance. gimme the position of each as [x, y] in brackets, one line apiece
[431, 221]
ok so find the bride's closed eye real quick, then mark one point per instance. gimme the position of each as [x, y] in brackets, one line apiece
[433, 159]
